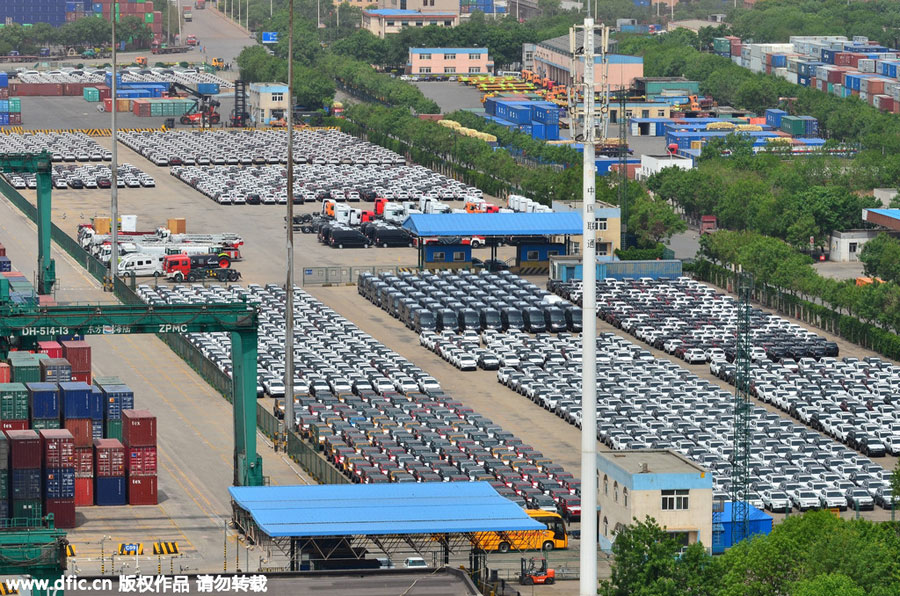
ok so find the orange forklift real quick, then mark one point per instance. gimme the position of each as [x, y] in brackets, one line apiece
[535, 572]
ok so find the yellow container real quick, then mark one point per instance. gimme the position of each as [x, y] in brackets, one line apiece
[696, 144]
[101, 225]
[177, 225]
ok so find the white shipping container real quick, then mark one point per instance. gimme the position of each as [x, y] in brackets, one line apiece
[791, 77]
[780, 72]
[737, 60]
[756, 65]
[838, 89]
[895, 94]
[891, 88]
[793, 64]
[866, 65]
[864, 96]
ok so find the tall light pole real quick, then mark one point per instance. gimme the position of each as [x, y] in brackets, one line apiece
[180, 38]
[114, 165]
[588, 552]
[289, 307]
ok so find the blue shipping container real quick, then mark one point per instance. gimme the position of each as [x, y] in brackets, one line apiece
[519, 114]
[4, 118]
[773, 117]
[97, 429]
[537, 130]
[96, 401]
[43, 400]
[59, 483]
[5, 265]
[115, 399]
[75, 399]
[4, 79]
[110, 491]
[552, 132]
[208, 88]
[26, 484]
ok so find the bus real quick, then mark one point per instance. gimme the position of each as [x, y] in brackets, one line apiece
[552, 538]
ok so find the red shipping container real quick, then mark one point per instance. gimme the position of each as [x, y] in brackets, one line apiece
[78, 353]
[50, 348]
[4, 372]
[82, 430]
[138, 428]
[24, 449]
[63, 511]
[104, 92]
[141, 461]
[7, 425]
[84, 492]
[59, 448]
[84, 462]
[2, 248]
[109, 458]
[82, 377]
[142, 490]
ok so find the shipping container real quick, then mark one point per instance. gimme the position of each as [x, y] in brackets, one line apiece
[138, 428]
[78, 353]
[50, 348]
[25, 508]
[82, 377]
[25, 369]
[109, 458]
[5, 372]
[8, 425]
[25, 483]
[142, 490]
[117, 397]
[82, 430]
[44, 423]
[58, 449]
[13, 401]
[24, 449]
[59, 483]
[84, 491]
[43, 401]
[56, 370]
[112, 429]
[63, 511]
[75, 399]
[111, 491]
[140, 461]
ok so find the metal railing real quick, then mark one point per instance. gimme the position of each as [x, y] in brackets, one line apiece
[308, 456]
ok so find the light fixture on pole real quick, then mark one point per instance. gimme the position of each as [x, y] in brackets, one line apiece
[114, 165]
[289, 220]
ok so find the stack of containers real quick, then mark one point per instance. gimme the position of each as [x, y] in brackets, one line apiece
[116, 398]
[78, 353]
[13, 406]
[109, 465]
[97, 407]
[51, 349]
[58, 447]
[25, 473]
[4, 100]
[139, 438]
[4, 476]
[43, 405]
[55, 370]
[25, 367]
[76, 398]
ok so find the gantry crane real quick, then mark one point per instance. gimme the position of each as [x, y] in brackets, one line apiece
[22, 325]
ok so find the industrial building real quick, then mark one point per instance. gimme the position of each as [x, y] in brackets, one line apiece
[654, 164]
[723, 526]
[609, 227]
[381, 21]
[846, 245]
[449, 61]
[553, 59]
[268, 102]
[661, 484]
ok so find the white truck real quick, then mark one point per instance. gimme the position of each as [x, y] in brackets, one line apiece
[141, 265]
[521, 204]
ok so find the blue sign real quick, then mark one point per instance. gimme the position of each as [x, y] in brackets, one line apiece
[270, 37]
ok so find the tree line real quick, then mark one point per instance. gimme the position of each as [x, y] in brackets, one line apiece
[86, 32]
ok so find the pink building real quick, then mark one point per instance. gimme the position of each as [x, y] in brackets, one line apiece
[381, 21]
[449, 61]
[553, 58]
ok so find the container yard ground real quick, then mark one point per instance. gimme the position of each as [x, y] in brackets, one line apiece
[194, 427]
[75, 112]
[451, 96]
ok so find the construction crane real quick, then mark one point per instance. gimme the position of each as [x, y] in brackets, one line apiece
[39, 164]
[23, 325]
[740, 463]
[203, 112]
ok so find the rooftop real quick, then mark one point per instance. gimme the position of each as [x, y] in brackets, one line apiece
[448, 50]
[396, 12]
[658, 461]
[379, 509]
[561, 43]
[494, 224]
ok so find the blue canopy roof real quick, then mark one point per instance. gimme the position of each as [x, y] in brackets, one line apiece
[753, 513]
[375, 509]
[493, 224]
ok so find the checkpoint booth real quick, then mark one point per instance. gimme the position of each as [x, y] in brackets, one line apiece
[444, 239]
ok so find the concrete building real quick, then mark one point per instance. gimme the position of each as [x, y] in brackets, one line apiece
[268, 101]
[885, 195]
[552, 59]
[382, 21]
[449, 61]
[653, 164]
[609, 227]
[846, 246]
[658, 483]
[528, 56]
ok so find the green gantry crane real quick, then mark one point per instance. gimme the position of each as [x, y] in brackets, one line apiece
[39, 164]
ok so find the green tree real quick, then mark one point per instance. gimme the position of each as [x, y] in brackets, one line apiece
[653, 221]
[881, 257]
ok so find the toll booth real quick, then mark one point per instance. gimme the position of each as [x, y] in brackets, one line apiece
[446, 256]
[534, 259]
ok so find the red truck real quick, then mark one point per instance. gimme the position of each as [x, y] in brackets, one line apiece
[708, 224]
[193, 268]
[200, 4]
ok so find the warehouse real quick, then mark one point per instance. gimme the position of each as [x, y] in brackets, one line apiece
[553, 59]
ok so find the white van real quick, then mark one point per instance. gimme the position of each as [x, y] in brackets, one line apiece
[142, 265]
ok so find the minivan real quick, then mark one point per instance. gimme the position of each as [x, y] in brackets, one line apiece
[511, 318]
[533, 319]
[573, 319]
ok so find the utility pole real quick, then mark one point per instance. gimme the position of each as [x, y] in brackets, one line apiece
[114, 165]
[588, 552]
[740, 463]
[180, 37]
[289, 307]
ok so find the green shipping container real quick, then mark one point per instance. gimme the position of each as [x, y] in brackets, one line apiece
[44, 423]
[148, 17]
[13, 401]
[91, 94]
[25, 508]
[101, 381]
[721, 44]
[4, 484]
[113, 429]
[793, 126]
[15, 104]
[25, 370]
